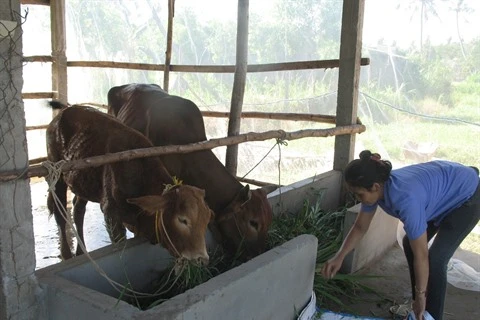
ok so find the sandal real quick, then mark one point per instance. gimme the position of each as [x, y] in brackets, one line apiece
[401, 310]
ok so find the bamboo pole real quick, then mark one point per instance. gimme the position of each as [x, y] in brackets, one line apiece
[59, 45]
[40, 171]
[168, 52]
[39, 2]
[37, 160]
[40, 127]
[274, 116]
[239, 80]
[250, 115]
[38, 95]
[117, 65]
[256, 182]
[252, 68]
[37, 59]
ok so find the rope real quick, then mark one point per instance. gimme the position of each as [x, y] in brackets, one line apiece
[164, 231]
[285, 143]
[279, 141]
[54, 172]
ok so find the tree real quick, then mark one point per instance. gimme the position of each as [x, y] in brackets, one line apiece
[460, 8]
[426, 9]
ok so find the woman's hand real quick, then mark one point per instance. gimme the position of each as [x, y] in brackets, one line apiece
[418, 305]
[331, 267]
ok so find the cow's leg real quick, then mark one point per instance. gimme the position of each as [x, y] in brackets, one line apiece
[115, 228]
[79, 206]
[61, 193]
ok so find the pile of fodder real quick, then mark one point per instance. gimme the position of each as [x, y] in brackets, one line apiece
[181, 276]
[328, 228]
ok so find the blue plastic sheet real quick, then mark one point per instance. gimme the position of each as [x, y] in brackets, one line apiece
[311, 312]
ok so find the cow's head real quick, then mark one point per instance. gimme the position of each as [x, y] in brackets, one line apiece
[244, 223]
[180, 217]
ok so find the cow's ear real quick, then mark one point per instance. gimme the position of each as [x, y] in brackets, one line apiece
[150, 204]
[244, 194]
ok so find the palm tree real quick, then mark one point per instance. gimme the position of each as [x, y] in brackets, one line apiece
[459, 8]
[426, 8]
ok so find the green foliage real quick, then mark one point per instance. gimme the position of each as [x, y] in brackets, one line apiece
[467, 93]
[181, 276]
[328, 228]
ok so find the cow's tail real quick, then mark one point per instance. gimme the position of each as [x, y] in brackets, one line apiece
[57, 104]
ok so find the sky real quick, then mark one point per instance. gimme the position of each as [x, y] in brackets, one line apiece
[382, 19]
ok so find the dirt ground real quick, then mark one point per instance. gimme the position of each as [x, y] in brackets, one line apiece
[394, 288]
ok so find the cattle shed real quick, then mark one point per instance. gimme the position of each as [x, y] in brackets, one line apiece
[50, 293]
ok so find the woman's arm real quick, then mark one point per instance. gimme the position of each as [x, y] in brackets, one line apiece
[359, 228]
[421, 268]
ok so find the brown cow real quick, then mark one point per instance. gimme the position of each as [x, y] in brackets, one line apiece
[242, 216]
[136, 193]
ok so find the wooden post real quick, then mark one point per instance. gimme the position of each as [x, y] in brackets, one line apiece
[231, 159]
[348, 78]
[168, 52]
[59, 58]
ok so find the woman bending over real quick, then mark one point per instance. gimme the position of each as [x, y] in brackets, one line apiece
[439, 198]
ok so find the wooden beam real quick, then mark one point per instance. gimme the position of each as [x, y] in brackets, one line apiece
[348, 79]
[239, 80]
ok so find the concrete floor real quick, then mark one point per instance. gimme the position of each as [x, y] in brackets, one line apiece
[394, 288]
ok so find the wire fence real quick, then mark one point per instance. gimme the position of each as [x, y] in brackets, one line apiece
[11, 105]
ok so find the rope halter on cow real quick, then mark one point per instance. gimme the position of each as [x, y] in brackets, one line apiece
[159, 219]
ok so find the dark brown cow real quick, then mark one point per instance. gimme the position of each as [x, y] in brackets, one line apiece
[242, 216]
[134, 193]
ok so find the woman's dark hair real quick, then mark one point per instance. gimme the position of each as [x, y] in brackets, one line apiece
[367, 170]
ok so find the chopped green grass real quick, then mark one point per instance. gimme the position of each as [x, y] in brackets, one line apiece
[183, 275]
[328, 228]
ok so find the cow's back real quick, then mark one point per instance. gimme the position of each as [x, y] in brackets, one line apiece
[82, 132]
[172, 120]
[165, 119]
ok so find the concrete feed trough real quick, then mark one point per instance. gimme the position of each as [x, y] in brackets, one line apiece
[275, 285]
